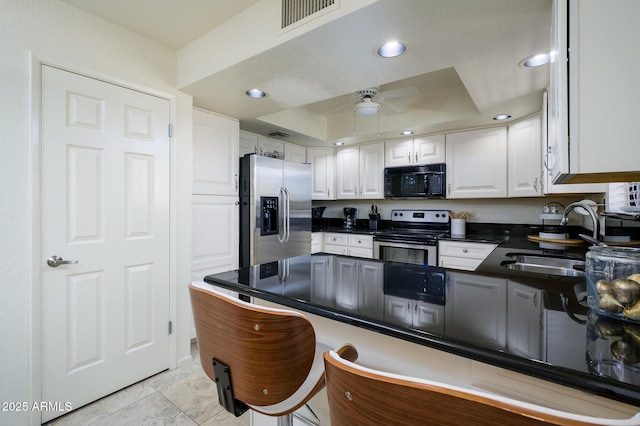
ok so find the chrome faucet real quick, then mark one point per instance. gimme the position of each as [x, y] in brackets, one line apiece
[589, 209]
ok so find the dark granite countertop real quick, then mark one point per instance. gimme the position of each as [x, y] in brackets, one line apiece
[568, 350]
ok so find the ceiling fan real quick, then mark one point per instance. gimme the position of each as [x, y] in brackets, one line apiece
[371, 100]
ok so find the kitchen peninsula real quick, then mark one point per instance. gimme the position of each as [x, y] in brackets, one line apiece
[527, 325]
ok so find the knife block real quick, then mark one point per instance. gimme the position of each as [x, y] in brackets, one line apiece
[374, 219]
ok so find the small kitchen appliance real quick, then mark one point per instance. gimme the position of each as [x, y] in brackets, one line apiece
[412, 236]
[350, 216]
[424, 181]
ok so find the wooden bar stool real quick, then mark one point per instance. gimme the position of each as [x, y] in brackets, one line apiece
[363, 396]
[261, 358]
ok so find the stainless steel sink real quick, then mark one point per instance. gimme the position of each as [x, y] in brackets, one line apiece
[546, 265]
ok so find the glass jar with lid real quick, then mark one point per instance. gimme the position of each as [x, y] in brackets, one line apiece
[613, 282]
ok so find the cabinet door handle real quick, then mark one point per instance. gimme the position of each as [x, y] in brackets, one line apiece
[360, 192]
[464, 250]
[416, 157]
[448, 189]
[535, 184]
[415, 308]
[236, 179]
[255, 149]
[409, 157]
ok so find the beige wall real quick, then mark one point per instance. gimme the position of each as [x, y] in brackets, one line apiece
[53, 32]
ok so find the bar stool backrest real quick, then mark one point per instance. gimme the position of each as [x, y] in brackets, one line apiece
[269, 352]
[363, 396]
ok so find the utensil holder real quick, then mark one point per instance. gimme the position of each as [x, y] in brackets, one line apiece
[374, 219]
[458, 227]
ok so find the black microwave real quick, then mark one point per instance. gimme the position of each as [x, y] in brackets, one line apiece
[425, 181]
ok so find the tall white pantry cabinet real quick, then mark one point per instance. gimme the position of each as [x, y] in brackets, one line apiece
[214, 202]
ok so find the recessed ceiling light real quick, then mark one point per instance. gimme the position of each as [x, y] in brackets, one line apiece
[392, 49]
[500, 117]
[255, 93]
[536, 60]
[406, 132]
[338, 143]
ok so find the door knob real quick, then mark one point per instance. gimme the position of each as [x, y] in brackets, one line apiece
[55, 261]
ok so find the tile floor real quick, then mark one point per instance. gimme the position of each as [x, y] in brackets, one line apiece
[184, 396]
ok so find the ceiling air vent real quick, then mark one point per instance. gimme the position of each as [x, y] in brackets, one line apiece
[279, 134]
[296, 10]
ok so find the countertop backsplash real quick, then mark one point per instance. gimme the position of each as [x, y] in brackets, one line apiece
[503, 210]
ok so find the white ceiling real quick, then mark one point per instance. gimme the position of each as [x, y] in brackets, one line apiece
[173, 23]
[460, 68]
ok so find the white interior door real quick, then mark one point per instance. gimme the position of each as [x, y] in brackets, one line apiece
[105, 200]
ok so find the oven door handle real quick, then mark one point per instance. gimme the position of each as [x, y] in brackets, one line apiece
[402, 243]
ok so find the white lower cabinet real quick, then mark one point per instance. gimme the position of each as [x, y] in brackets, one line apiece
[463, 255]
[414, 314]
[322, 281]
[335, 243]
[215, 235]
[476, 309]
[358, 286]
[356, 245]
[524, 320]
[317, 242]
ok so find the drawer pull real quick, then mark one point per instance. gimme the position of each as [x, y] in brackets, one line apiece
[465, 250]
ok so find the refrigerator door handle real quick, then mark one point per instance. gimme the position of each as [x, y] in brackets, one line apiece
[282, 233]
[287, 215]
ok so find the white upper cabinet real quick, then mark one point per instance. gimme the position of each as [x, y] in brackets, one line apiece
[215, 154]
[550, 162]
[322, 173]
[477, 163]
[525, 161]
[261, 145]
[270, 147]
[360, 172]
[599, 108]
[348, 172]
[248, 143]
[295, 153]
[420, 150]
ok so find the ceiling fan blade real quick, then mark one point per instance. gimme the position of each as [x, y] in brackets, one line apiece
[386, 109]
[340, 109]
[399, 93]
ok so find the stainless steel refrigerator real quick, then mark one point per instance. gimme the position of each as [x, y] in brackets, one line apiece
[275, 209]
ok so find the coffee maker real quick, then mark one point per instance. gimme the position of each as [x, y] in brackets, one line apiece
[350, 216]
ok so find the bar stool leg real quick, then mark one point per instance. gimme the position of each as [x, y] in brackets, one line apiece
[286, 420]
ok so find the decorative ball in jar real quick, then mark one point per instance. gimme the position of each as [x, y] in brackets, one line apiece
[613, 282]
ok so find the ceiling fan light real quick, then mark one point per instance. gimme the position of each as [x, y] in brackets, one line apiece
[367, 108]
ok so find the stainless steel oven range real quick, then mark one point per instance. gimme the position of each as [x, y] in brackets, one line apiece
[412, 236]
